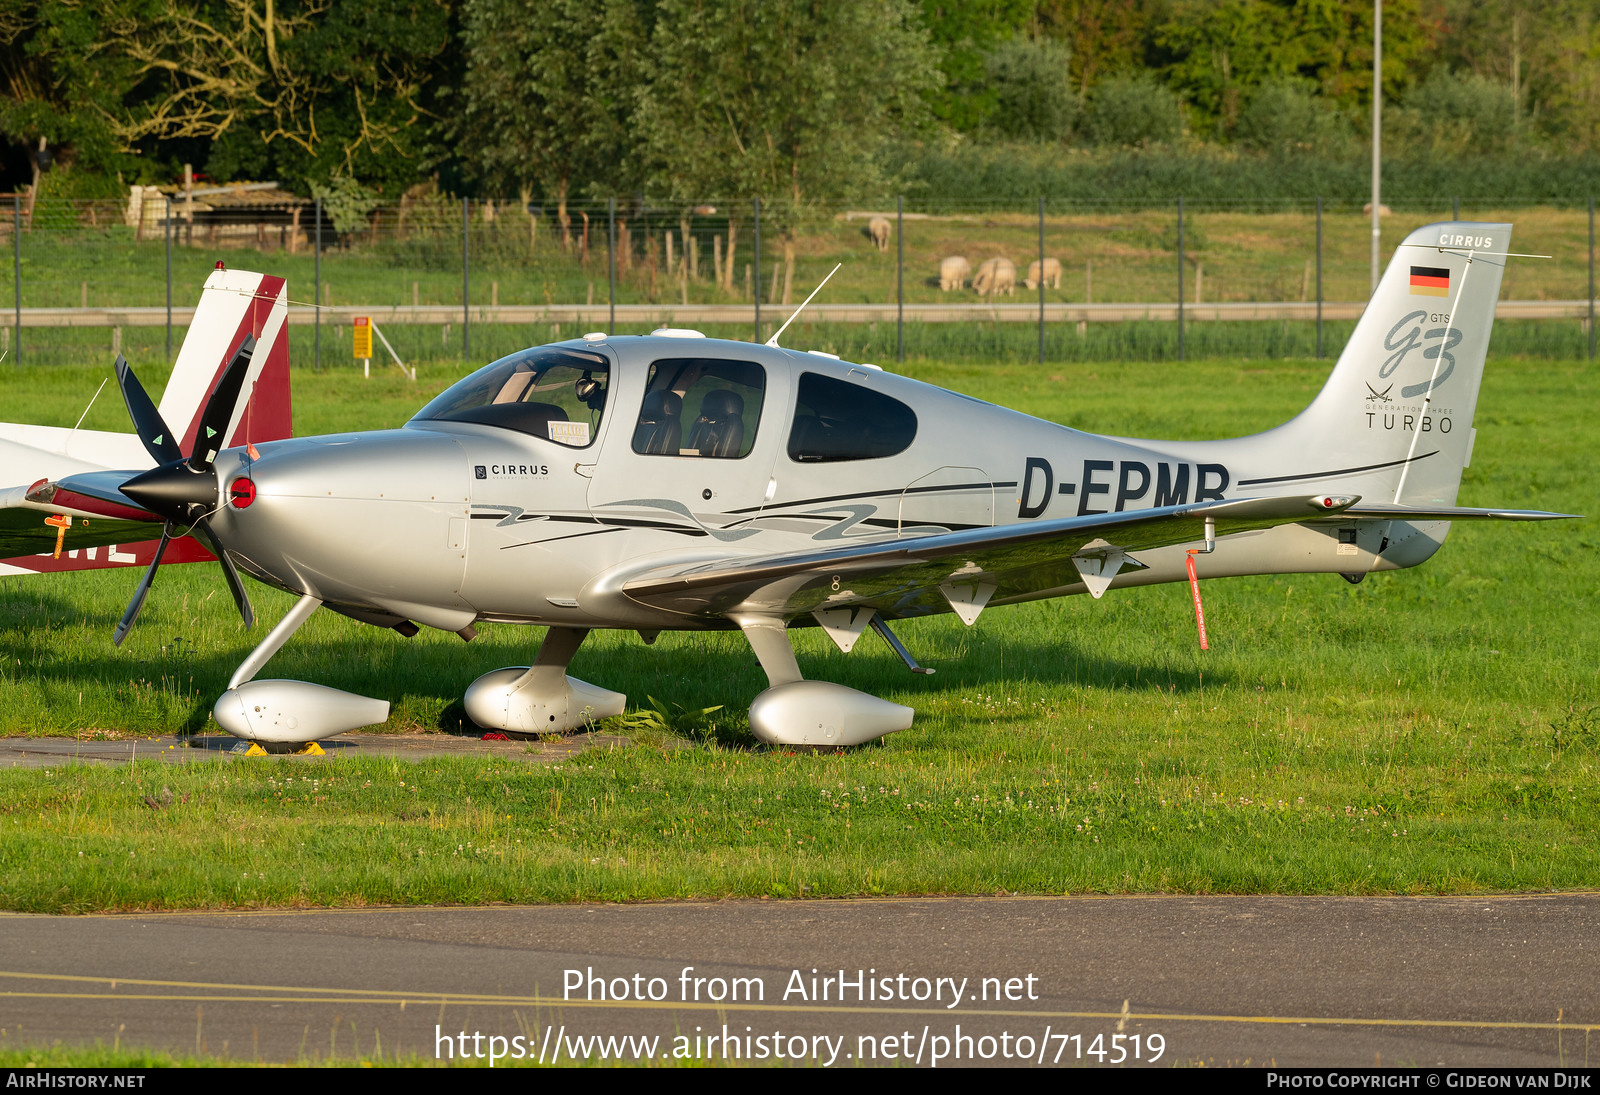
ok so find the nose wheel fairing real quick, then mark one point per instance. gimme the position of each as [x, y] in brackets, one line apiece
[280, 711]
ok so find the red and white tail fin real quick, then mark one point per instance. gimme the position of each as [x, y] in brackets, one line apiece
[234, 304]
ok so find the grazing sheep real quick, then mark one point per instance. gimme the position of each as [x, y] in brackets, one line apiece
[994, 277]
[878, 232]
[1052, 274]
[954, 272]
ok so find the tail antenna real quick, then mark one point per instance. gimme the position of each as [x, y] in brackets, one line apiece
[773, 341]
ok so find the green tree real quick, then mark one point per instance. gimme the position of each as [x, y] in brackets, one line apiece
[551, 89]
[1219, 51]
[306, 89]
[1032, 89]
[1545, 53]
[1455, 115]
[965, 33]
[1131, 110]
[1106, 37]
[1287, 116]
[792, 100]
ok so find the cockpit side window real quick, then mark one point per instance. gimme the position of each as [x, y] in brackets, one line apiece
[706, 407]
[550, 392]
[836, 420]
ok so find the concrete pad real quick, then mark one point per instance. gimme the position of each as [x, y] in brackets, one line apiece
[174, 749]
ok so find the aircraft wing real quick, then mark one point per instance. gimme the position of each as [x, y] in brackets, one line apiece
[96, 515]
[963, 570]
[919, 575]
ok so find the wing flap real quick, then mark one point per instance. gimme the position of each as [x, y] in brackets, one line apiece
[1451, 513]
[903, 577]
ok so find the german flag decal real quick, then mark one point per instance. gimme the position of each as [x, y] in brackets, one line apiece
[1430, 281]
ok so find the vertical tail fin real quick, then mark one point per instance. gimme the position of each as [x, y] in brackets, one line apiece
[1394, 421]
[235, 304]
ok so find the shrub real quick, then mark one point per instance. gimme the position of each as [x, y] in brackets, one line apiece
[1033, 97]
[1131, 110]
[1286, 116]
[1455, 115]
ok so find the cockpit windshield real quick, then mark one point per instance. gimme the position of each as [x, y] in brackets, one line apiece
[552, 392]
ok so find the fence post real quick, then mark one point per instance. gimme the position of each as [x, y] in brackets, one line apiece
[466, 278]
[900, 278]
[611, 261]
[1319, 277]
[1180, 277]
[169, 273]
[16, 266]
[316, 301]
[1041, 280]
[1591, 279]
[755, 290]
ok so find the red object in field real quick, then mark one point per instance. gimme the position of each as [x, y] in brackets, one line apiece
[495, 737]
[1199, 612]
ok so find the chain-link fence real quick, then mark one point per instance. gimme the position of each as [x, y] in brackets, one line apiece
[468, 280]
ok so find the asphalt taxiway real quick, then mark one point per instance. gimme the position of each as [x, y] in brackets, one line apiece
[190, 749]
[1334, 981]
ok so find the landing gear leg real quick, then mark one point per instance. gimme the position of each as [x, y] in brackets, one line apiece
[811, 714]
[294, 712]
[541, 698]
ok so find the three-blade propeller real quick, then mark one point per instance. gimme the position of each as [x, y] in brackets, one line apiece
[183, 491]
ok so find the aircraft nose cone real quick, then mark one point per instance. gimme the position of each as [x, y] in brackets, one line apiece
[173, 490]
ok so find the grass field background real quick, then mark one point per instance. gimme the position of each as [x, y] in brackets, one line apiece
[1117, 255]
[1433, 730]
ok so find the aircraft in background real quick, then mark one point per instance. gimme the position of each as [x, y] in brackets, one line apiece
[234, 305]
[675, 482]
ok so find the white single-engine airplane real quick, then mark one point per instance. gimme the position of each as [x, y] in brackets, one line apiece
[678, 482]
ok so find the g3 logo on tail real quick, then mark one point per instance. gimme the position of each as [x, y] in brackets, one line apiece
[1403, 344]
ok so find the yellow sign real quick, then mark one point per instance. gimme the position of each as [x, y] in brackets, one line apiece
[363, 337]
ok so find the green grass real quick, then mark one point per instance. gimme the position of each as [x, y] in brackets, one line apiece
[1106, 255]
[1433, 730]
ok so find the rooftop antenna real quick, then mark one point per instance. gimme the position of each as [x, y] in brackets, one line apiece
[773, 341]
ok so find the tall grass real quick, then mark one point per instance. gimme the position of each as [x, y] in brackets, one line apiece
[1016, 175]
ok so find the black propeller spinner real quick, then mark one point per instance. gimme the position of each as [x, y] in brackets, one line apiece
[183, 490]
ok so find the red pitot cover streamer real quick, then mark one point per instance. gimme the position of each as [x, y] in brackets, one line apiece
[1199, 612]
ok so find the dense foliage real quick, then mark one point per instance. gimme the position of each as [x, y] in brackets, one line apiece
[794, 100]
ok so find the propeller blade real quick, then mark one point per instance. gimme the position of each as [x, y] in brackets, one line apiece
[147, 421]
[126, 623]
[230, 572]
[208, 439]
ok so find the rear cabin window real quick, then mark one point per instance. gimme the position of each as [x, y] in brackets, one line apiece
[550, 392]
[700, 406]
[836, 420]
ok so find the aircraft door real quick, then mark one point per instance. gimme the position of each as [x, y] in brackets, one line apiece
[699, 462]
[951, 498]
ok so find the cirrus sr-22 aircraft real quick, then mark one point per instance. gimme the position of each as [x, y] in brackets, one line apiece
[680, 482]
